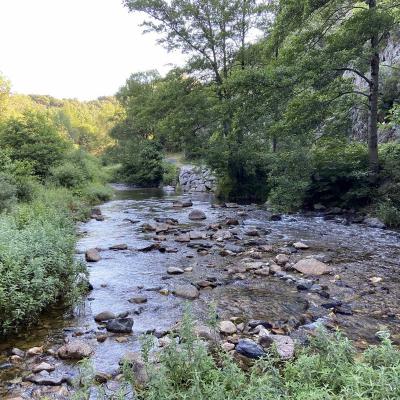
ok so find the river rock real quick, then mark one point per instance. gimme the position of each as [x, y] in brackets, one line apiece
[187, 203]
[374, 223]
[44, 379]
[121, 246]
[281, 259]
[18, 352]
[75, 350]
[104, 316]
[138, 300]
[183, 238]
[206, 333]
[186, 291]
[135, 361]
[284, 345]
[226, 346]
[311, 266]
[120, 325]
[43, 367]
[195, 235]
[252, 232]
[175, 271]
[35, 351]
[300, 246]
[227, 327]
[92, 255]
[197, 215]
[249, 349]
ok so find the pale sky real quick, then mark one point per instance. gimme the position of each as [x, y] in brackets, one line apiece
[75, 48]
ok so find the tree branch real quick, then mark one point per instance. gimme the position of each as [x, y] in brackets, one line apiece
[360, 74]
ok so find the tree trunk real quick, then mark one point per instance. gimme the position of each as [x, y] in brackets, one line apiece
[373, 104]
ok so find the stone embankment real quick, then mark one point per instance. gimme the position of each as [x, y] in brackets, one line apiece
[194, 179]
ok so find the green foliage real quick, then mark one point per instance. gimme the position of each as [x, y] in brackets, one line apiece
[142, 163]
[8, 193]
[32, 138]
[340, 174]
[329, 369]
[170, 174]
[37, 265]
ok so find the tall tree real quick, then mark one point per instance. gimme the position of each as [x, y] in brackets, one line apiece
[330, 38]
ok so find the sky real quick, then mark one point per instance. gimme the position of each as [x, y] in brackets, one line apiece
[75, 48]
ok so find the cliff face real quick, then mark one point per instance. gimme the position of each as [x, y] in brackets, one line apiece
[390, 57]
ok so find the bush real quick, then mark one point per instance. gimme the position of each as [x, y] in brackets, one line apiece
[170, 174]
[388, 214]
[8, 193]
[96, 193]
[329, 369]
[67, 175]
[33, 138]
[142, 163]
[37, 265]
[339, 174]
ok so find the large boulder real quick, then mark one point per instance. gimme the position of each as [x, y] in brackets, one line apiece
[197, 215]
[120, 325]
[374, 223]
[311, 266]
[75, 350]
[188, 292]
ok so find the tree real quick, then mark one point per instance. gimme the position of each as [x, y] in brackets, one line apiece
[332, 37]
[33, 138]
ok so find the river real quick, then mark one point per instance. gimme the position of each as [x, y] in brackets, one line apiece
[355, 253]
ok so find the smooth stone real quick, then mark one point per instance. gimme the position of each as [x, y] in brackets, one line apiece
[104, 316]
[42, 380]
[284, 345]
[92, 255]
[136, 363]
[120, 325]
[227, 327]
[138, 300]
[175, 271]
[75, 350]
[121, 246]
[311, 266]
[34, 351]
[18, 352]
[300, 246]
[43, 367]
[226, 346]
[249, 349]
[188, 292]
[197, 215]
[282, 259]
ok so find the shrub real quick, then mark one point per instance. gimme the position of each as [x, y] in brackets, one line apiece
[8, 193]
[339, 175]
[388, 214]
[142, 163]
[33, 138]
[37, 265]
[67, 175]
[329, 369]
[96, 193]
[170, 174]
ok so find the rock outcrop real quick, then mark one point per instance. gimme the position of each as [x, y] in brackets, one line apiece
[196, 179]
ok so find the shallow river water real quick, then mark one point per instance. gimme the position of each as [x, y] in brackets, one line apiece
[355, 253]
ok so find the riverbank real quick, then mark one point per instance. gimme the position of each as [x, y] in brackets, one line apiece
[152, 257]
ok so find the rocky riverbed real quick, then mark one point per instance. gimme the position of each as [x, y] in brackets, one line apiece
[273, 279]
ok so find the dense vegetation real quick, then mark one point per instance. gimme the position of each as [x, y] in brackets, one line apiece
[275, 116]
[47, 182]
[328, 369]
